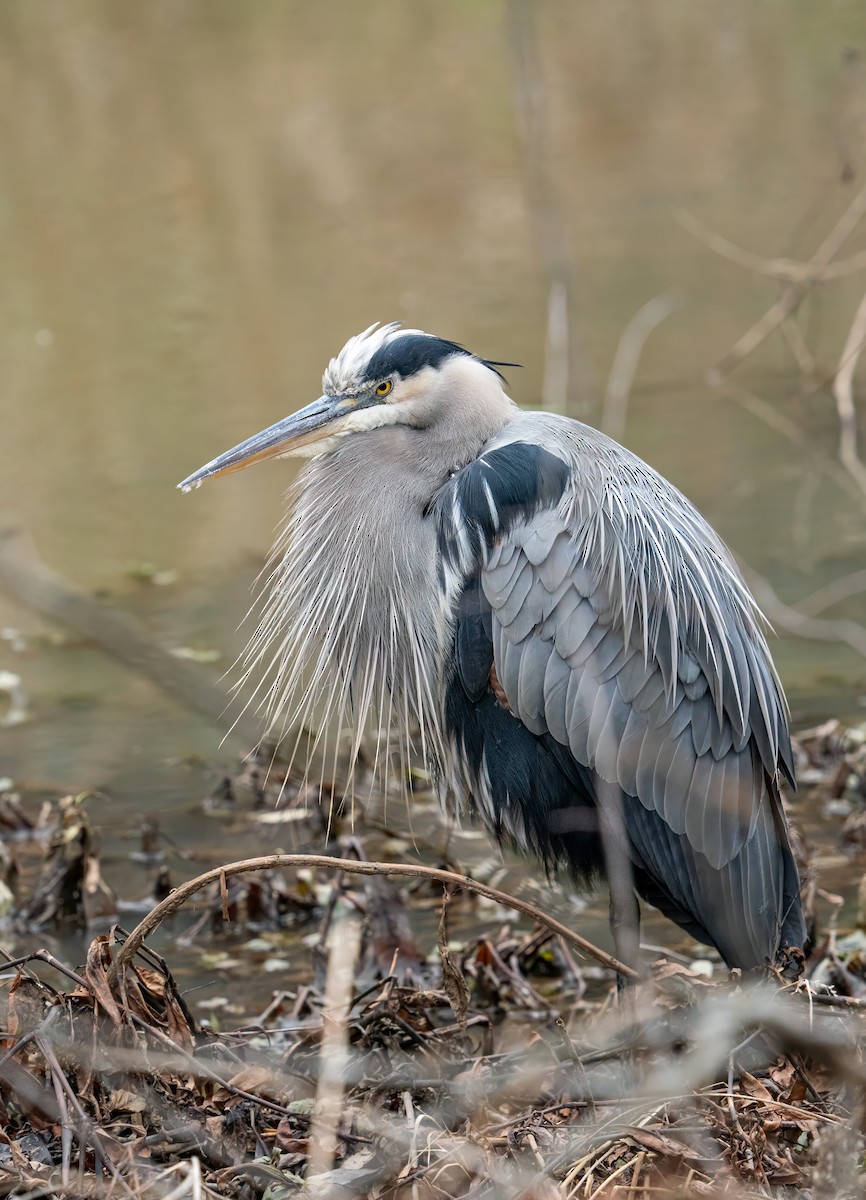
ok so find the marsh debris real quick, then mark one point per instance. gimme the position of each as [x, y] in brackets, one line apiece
[109, 1085]
[499, 1064]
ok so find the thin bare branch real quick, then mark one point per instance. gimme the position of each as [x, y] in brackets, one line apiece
[793, 335]
[842, 230]
[778, 312]
[25, 576]
[625, 362]
[816, 629]
[276, 862]
[562, 388]
[792, 294]
[334, 1056]
[770, 416]
[843, 390]
[787, 270]
[832, 593]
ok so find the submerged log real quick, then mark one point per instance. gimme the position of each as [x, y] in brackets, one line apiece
[25, 576]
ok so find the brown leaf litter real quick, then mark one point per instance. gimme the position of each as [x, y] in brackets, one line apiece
[516, 1086]
[502, 1067]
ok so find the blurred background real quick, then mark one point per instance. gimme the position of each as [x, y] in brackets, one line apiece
[200, 202]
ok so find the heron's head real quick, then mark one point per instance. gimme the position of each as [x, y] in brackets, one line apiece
[385, 376]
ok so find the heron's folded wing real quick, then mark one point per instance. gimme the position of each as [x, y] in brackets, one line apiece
[630, 640]
[567, 668]
[741, 906]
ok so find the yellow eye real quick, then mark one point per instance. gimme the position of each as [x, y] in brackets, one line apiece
[384, 388]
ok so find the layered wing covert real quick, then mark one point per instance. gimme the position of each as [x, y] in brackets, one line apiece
[620, 627]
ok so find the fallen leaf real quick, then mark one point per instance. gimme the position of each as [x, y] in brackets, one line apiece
[126, 1102]
[660, 1143]
[753, 1087]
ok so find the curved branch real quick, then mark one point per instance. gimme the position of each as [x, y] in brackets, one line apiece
[787, 270]
[625, 360]
[272, 862]
[832, 593]
[816, 629]
[843, 390]
[792, 293]
[765, 412]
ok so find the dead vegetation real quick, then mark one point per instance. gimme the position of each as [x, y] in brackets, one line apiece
[504, 1064]
[110, 1086]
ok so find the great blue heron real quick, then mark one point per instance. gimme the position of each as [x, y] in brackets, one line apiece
[579, 651]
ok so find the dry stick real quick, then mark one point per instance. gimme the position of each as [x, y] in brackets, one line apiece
[759, 408]
[275, 862]
[334, 1053]
[626, 359]
[817, 629]
[843, 390]
[562, 389]
[805, 360]
[759, 332]
[784, 269]
[200, 1070]
[24, 576]
[793, 292]
[832, 593]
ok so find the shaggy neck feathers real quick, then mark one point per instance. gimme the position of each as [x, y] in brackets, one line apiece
[361, 644]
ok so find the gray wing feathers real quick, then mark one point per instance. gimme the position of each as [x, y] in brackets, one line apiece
[744, 900]
[702, 724]
[622, 628]
[556, 680]
[499, 580]
[510, 598]
[559, 564]
[677, 742]
[537, 541]
[633, 677]
[571, 633]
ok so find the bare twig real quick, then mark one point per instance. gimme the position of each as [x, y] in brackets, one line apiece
[787, 304]
[272, 862]
[793, 293]
[784, 269]
[832, 593]
[770, 416]
[625, 361]
[793, 335]
[843, 390]
[562, 390]
[334, 1052]
[817, 629]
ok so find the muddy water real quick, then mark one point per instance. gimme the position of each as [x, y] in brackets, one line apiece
[199, 202]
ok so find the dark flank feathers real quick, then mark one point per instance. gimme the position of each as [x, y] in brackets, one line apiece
[504, 485]
[589, 719]
[535, 787]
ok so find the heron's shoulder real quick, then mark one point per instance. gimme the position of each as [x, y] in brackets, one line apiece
[541, 461]
[574, 442]
[600, 471]
[509, 481]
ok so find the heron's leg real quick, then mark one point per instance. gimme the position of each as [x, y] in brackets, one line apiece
[624, 907]
[625, 926]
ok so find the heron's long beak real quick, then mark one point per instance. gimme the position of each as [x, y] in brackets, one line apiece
[286, 437]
